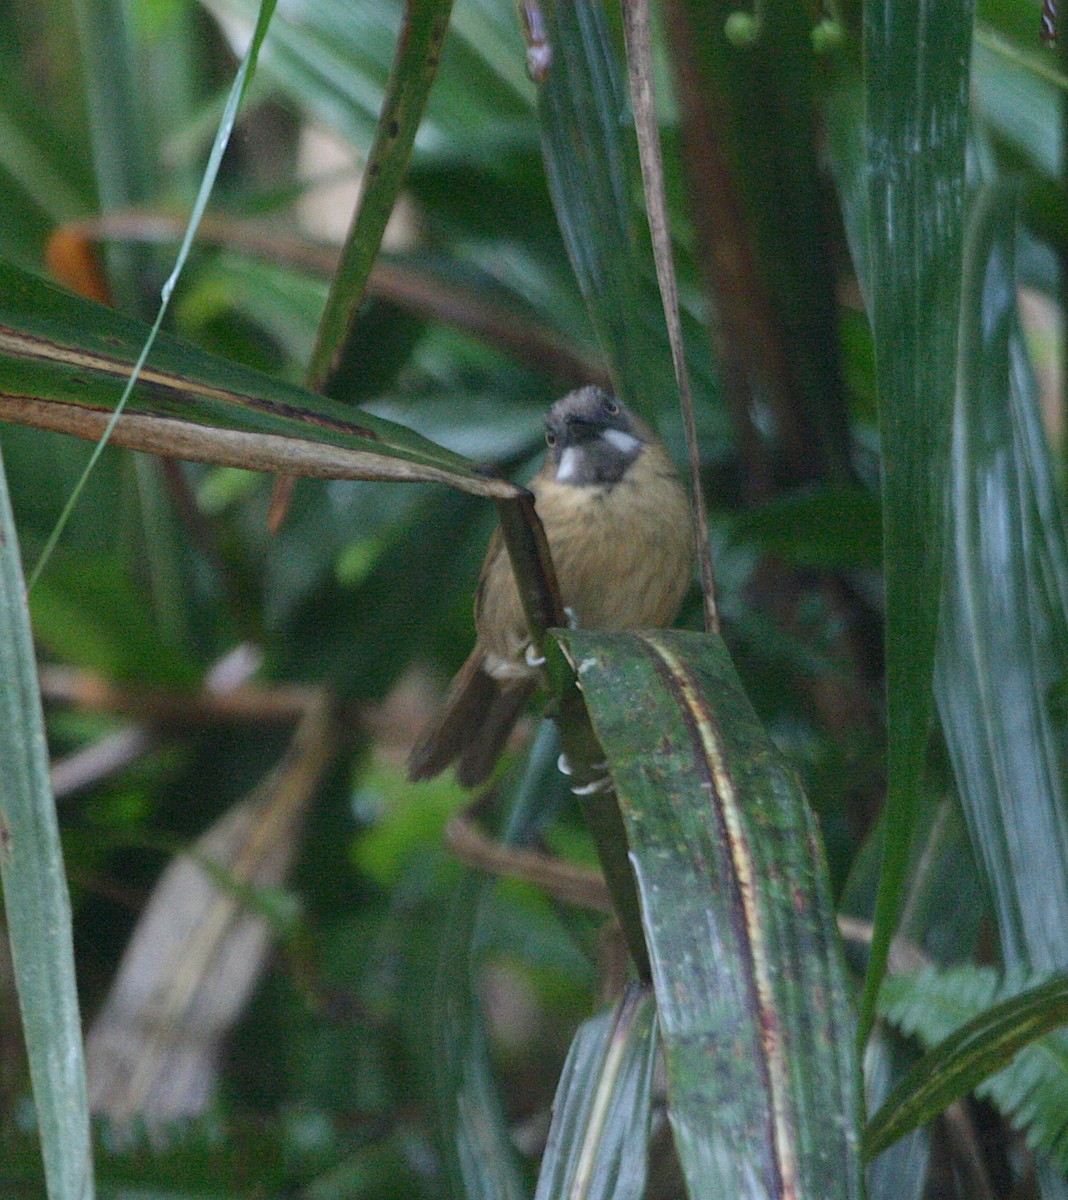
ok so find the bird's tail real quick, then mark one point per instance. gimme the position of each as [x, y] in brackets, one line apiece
[475, 721]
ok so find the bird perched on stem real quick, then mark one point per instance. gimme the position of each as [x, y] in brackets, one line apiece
[617, 520]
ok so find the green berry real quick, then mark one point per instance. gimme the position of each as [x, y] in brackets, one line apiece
[742, 29]
[828, 35]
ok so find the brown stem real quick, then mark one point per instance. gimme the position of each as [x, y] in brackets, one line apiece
[169, 437]
[249, 703]
[101, 760]
[402, 283]
[564, 881]
[407, 286]
[638, 35]
[528, 550]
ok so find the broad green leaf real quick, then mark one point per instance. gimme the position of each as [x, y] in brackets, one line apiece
[39, 176]
[64, 362]
[330, 57]
[1004, 637]
[43, 156]
[36, 900]
[598, 1141]
[588, 151]
[1005, 620]
[89, 612]
[488, 27]
[115, 122]
[754, 1011]
[443, 533]
[976, 1024]
[917, 61]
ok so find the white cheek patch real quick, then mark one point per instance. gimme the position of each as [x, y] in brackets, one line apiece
[625, 443]
[570, 465]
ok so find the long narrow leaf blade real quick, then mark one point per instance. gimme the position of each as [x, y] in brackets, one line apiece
[480, 1159]
[917, 60]
[123, 166]
[36, 901]
[64, 362]
[962, 1061]
[414, 71]
[598, 1141]
[973, 1020]
[580, 103]
[757, 1026]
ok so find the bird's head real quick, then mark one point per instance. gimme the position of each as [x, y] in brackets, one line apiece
[592, 438]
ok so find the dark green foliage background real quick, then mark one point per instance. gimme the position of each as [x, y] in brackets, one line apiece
[327, 1085]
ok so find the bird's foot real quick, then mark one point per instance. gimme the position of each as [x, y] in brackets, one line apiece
[597, 785]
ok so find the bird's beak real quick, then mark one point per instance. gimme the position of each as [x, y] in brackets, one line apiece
[580, 430]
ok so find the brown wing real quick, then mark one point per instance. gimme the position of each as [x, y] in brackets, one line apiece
[473, 725]
[499, 618]
[479, 710]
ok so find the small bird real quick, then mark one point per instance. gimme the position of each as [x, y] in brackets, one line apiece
[617, 520]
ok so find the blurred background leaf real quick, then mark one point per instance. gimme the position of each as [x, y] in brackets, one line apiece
[1004, 632]
[598, 1143]
[917, 73]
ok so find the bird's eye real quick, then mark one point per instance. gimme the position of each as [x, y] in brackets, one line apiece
[550, 438]
[611, 407]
